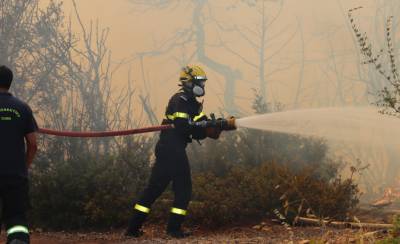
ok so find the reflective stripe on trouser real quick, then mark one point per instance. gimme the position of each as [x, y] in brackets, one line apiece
[138, 218]
[175, 221]
[17, 229]
[176, 218]
[142, 209]
[178, 211]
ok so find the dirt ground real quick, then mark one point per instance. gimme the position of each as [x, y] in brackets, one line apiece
[267, 233]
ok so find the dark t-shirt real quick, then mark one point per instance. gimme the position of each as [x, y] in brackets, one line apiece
[16, 120]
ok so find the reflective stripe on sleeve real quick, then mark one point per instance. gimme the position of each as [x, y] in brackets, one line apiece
[201, 115]
[142, 208]
[178, 115]
[178, 211]
[17, 229]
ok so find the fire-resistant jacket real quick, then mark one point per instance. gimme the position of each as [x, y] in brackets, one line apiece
[180, 110]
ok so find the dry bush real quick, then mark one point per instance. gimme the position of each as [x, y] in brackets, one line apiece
[89, 192]
[246, 194]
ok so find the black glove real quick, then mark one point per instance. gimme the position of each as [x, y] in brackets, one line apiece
[221, 123]
[213, 133]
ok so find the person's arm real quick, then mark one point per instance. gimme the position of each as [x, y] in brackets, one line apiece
[31, 148]
[178, 112]
[213, 133]
[199, 133]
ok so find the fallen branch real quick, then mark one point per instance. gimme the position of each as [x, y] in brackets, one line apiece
[374, 234]
[343, 224]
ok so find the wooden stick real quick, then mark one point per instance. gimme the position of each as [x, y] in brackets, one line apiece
[344, 224]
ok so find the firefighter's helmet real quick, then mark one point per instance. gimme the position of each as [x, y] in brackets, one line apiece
[193, 80]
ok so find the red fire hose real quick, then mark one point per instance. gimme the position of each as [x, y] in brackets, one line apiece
[105, 133]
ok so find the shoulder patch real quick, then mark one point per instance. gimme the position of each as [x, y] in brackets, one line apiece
[183, 97]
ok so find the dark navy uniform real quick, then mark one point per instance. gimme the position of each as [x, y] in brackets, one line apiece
[16, 121]
[172, 164]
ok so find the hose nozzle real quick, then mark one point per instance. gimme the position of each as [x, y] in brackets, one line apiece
[224, 124]
[230, 124]
[221, 124]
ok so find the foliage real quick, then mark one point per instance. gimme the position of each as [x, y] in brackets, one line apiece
[65, 76]
[385, 63]
[89, 192]
[249, 193]
[31, 44]
[394, 232]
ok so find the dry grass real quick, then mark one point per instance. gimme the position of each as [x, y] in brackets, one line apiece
[268, 233]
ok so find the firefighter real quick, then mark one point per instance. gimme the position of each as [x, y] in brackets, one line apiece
[172, 165]
[17, 126]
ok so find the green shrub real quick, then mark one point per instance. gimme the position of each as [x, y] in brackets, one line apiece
[87, 193]
[249, 193]
[394, 237]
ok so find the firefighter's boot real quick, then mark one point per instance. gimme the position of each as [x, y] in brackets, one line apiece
[135, 225]
[18, 239]
[18, 234]
[174, 226]
[179, 234]
[137, 220]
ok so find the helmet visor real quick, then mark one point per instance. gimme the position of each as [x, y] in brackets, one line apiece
[200, 82]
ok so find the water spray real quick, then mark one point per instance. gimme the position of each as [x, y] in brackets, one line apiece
[357, 125]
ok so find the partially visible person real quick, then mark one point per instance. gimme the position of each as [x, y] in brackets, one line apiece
[18, 147]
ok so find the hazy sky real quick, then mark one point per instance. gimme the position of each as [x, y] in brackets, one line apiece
[133, 30]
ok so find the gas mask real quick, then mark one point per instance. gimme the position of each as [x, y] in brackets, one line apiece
[198, 88]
